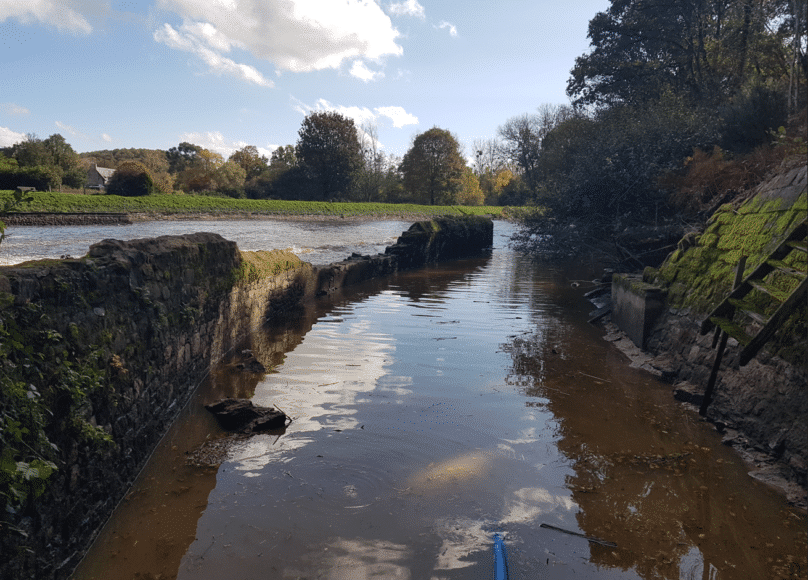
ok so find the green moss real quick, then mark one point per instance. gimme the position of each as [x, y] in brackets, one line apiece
[703, 274]
[262, 264]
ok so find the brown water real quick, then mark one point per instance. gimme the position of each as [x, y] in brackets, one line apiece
[432, 409]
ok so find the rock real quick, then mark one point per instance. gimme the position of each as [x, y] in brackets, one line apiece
[241, 416]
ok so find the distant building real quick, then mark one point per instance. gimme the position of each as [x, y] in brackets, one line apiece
[98, 177]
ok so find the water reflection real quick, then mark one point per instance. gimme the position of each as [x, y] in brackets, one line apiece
[648, 475]
[436, 407]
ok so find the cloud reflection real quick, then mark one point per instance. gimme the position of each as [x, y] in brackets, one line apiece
[319, 385]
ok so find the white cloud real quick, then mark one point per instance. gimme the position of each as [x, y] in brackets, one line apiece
[398, 115]
[408, 8]
[360, 115]
[9, 137]
[452, 28]
[295, 35]
[106, 137]
[13, 109]
[362, 72]
[65, 15]
[70, 130]
[207, 43]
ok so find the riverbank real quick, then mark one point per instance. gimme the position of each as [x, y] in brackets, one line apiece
[759, 407]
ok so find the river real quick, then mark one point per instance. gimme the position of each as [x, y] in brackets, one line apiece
[432, 409]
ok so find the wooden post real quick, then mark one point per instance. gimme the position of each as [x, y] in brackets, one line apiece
[722, 344]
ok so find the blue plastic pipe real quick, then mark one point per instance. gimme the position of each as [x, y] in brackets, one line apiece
[500, 559]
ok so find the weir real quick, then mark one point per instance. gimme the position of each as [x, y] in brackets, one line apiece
[145, 320]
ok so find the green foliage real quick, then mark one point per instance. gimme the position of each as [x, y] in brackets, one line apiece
[131, 179]
[749, 117]
[328, 151]
[222, 206]
[45, 379]
[53, 159]
[9, 203]
[704, 51]
[433, 167]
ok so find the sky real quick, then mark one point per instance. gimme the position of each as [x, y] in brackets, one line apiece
[223, 74]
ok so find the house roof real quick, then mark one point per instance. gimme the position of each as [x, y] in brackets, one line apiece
[104, 172]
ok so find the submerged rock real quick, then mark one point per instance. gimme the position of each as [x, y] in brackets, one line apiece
[241, 416]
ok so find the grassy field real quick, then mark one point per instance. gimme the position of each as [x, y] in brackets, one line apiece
[177, 205]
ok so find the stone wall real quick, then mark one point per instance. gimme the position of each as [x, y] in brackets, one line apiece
[151, 316]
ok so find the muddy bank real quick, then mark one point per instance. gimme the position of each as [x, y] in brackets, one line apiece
[66, 219]
[145, 320]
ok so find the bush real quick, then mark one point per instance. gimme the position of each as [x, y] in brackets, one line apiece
[750, 116]
[131, 179]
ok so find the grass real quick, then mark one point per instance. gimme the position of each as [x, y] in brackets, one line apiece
[177, 205]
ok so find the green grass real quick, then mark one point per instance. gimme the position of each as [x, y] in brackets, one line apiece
[54, 202]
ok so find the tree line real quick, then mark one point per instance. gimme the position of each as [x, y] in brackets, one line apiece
[333, 160]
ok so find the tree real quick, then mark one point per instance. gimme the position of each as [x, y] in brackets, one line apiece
[328, 151]
[250, 160]
[130, 179]
[433, 166]
[229, 179]
[470, 192]
[705, 50]
[182, 157]
[62, 155]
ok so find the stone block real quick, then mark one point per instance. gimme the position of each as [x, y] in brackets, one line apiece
[636, 306]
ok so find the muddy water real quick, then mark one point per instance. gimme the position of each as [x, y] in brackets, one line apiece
[432, 409]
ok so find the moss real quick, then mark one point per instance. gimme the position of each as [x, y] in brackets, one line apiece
[703, 274]
[263, 264]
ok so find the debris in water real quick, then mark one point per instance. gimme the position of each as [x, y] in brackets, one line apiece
[587, 538]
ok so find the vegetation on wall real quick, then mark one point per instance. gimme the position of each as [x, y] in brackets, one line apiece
[45, 379]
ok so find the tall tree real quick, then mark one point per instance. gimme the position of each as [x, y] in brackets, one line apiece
[182, 157]
[433, 167]
[704, 49]
[250, 160]
[328, 150]
[522, 136]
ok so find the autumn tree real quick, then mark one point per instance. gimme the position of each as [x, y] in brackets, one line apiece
[328, 151]
[250, 160]
[433, 167]
[470, 192]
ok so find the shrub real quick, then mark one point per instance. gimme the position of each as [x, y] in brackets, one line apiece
[131, 179]
[746, 121]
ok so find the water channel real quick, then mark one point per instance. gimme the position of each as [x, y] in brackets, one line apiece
[432, 409]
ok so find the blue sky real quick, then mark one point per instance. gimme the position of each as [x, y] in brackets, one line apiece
[222, 74]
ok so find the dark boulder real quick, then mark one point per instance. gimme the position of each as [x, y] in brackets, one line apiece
[241, 416]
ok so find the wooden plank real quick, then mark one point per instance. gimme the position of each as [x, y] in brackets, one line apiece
[777, 319]
[733, 329]
[775, 293]
[786, 269]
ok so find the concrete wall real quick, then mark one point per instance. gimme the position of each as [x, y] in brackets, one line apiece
[152, 316]
[636, 306]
